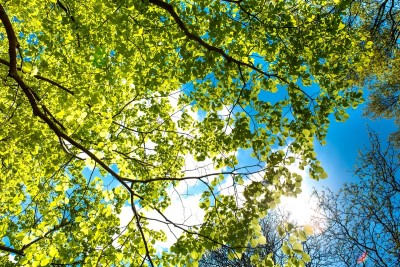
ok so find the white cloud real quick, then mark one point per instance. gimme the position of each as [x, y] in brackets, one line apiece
[11, 258]
[184, 210]
[177, 114]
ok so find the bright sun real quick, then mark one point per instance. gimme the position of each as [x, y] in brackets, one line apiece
[302, 209]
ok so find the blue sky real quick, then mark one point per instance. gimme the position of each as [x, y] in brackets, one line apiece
[344, 140]
[338, 157]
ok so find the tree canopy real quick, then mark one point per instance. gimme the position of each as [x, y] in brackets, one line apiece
[381, 76]
[132, 90]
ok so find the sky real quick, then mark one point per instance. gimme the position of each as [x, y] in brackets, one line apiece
[338, 157]
[344, 140]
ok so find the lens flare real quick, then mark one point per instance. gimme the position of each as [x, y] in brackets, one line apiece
[362, 258]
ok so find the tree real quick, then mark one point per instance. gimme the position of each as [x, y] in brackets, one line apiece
[274, 241]
[99, 108]
[279, 231]
[380, 75]
[363, 217]
[384, 99]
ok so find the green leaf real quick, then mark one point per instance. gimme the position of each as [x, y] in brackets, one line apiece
[323, 175]
[297, 247]
[286, 250]
[305, 257]
[45, 262]
[308, 230]
[302, 236]
[306, 132]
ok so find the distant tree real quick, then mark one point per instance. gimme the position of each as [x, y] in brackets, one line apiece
[384, 98]
[380, 17]
[381, 74]
[364, 217]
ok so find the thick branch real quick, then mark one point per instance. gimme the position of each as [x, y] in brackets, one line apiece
[55, 228]
[12, 42]
[12, 250]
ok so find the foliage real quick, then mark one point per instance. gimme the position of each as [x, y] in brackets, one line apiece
[116, 86]
[379, 17]
[364, 217]
[384, 99]
[286, 243]
[380, 74]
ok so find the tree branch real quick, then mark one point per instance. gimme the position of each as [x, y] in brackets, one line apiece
[12, 250]
[170, 9]
[55, 228]
[13, 45]
[39, 77]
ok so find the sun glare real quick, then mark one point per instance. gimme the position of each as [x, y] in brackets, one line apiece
[303, 208]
